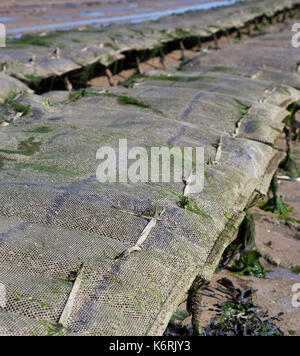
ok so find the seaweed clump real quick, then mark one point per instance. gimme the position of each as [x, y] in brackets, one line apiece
[240, 316]
[248, 263]
[235, 315]
[275, 205]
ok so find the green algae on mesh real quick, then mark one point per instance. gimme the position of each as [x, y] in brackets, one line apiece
[48, 169]
[10, 96]
[17, 107]
[191, 205]
[228, 215]
[35, 40]
[213, 26]
[177, 78]
[92, 137]
[126, 100]
[182, 33]
[27, 147]
[41, 129]
[194, 208]
[55, 329]
[243, 107]
[284, 90]
[75, 96]
[19, 297]
[81, 94]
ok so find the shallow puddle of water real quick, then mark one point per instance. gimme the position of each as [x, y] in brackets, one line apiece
[7, 19]
[57, 17]
[283, 274]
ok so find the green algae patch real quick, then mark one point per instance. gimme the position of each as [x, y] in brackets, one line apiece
[27, 147]
[243, 107]
[75, 96]
[16, 106]
[48, 169]
[127, 100]
[194, 208]
[191, 205]
[175, 78]
[296, 269]
[81, 94]
[55, 329]
[41, 130]
[275, 205]
[129, 83]
[182, 33]
[35, 40]
[249, 265]
[49, 103]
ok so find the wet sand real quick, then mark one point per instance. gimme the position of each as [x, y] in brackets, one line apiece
[25, 16]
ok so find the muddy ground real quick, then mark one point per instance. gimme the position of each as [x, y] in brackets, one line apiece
[24, 16]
